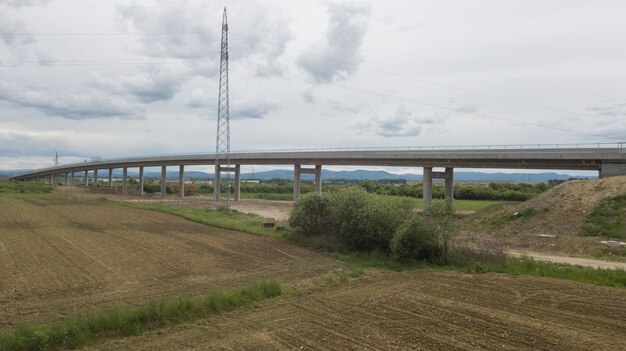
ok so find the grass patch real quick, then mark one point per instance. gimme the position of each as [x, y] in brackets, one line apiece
[608, 218]
[340, 276]
[473, 261]
[268, 196]
[122, 322]
[524, 214]
[11, 187]
[220, 218]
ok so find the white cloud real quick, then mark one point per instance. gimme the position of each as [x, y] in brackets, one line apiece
[403, 123]
[338, 56]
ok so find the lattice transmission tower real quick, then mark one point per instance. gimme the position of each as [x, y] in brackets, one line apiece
[222, 146]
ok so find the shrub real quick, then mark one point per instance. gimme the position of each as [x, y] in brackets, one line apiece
[416, 240]
[351, 218]
[312, 215]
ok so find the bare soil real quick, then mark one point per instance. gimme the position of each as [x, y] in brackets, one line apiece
[559, 216]
[60, 255]
[420, 310]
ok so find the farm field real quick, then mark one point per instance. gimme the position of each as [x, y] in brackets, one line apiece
[422, 310]
[67, 254]
[60, 256]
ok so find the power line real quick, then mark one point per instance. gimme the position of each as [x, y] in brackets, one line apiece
[482, 115]
[369, 68]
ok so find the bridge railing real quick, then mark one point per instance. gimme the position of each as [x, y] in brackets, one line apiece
[619, 146]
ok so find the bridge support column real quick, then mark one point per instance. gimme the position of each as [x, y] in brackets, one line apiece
[427, 185]
[612, 169]
[72, 179]
[237, 182]
[181, 180]
[67, 179]
[52, 180]
[449, 186]
[95, 178]
[217, 184]
[296, 181]
[141, 181]
[163, 178]
[86, 179]
[124, 181]
[110, 177]
[318, 179]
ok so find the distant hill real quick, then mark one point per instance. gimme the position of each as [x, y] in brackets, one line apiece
[351, 175]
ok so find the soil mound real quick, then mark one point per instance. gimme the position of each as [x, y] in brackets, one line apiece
[549, 222]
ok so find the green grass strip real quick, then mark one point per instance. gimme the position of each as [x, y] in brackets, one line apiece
[514, 266]
[221, 218]
[13, 187]
[119, 322]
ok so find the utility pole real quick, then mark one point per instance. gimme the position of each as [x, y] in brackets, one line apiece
[56, 159]
[222, 145]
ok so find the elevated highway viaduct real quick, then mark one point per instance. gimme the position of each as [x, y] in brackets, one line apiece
[608, 159]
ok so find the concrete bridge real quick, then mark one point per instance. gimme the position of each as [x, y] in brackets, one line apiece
[609, 159]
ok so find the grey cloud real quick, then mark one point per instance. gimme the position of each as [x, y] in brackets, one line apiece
[199, 99]
[339, 55]
[613, 110]
[15, 32]
[65, 105]
[342, 107]
[308, 96]
[14, 143]
[251, 109]
[24, 3]
[402, 123]
[159, 83]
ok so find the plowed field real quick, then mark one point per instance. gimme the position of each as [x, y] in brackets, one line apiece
[60, 256]
[419, 310]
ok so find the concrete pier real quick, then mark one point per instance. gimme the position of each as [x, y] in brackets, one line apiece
[297, 179]
[218, 181]
[237, 182]
[449, 185]
[52, 180]
[318, 179]
[181, 180]
[427, 185]
[67, 179]
[72, 179]
[429, 175]
[612, 169]
[86, 178]
[217, 184]
[110, 177]
[95, 178]
[163, 179]
[140, 181]
[125, 181]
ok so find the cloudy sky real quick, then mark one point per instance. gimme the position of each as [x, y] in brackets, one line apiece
[121, 78]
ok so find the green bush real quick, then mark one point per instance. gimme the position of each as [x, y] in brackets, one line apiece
[312, 214]
[416, 239]
[352, 218]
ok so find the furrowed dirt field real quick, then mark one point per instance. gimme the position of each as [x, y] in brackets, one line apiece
[60, 256]
[421, 310]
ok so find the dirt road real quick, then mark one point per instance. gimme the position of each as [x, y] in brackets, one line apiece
[420, 310]
[60, 256]
[580, 261]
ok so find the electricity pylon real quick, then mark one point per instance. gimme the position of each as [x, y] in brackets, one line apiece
[222, 145]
